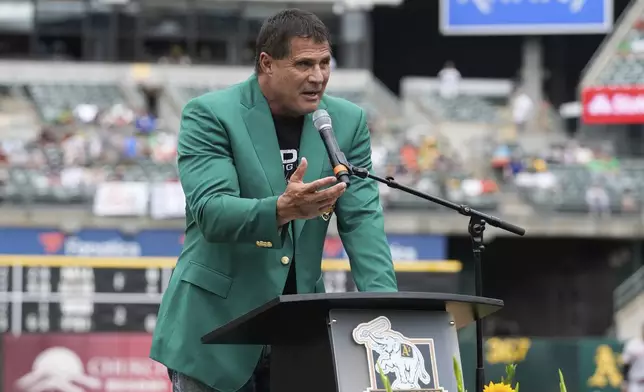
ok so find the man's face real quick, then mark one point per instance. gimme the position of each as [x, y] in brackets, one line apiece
[299, 80]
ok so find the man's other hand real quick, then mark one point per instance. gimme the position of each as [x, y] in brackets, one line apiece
[306, 201]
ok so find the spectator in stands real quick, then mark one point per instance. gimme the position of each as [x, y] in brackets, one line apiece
[598, 200]
[409, 156]
[145, 122]
[507, 161]
[74, 149]
[86, 113]
[577, 154]
[450, 79]
[46, 136]
[633, 358]
[428, 153]
[603, 166]
[522, 109]
[65, 117]
[164, 147]
[500, 159]
[131, 148]
[515, 165]
[539, 165]
[118, 115]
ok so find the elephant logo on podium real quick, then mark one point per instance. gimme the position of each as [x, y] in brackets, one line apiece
[409, 363]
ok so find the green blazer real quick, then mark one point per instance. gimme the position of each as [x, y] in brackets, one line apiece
[234, 259]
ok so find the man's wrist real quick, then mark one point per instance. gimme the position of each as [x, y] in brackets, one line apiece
[281, 222]
[281, 219]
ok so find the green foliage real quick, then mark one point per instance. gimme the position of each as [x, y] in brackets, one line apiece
[510, 372]
[508, 379]
[384, 379]
[562, 382]
[460, 387]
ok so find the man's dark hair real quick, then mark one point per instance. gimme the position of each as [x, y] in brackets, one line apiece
[277, 31]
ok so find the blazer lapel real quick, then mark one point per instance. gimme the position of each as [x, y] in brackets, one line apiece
[260, 126]
[312, 148]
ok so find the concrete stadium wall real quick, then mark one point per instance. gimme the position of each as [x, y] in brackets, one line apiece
[18, 72]
[630, 319]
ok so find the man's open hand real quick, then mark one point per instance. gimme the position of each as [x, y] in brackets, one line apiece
[306, 201]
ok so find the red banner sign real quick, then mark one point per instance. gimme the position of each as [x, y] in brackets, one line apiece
[81, 363]
[613, 105]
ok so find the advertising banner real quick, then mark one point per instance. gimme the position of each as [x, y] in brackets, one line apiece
[525, 17]
[121, 199]
[613, 105]
[403, 247]
[106, 280]
[90, 242]
[123, 275]
[167, 201]
[168, 243]
[87, 362]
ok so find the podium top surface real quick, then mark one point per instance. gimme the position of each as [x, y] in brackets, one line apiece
[281, 319]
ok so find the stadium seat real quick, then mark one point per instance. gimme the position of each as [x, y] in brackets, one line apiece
[462, 108]
[53, 98]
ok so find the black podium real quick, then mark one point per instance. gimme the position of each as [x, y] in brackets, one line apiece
[338, 342]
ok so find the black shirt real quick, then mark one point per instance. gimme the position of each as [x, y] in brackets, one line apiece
[289, 134]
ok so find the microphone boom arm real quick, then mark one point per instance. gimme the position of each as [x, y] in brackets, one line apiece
[475, 228]
[460, 208]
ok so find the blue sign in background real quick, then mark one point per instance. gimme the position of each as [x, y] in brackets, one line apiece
[419, 247]
[525, 17]
[168, 243]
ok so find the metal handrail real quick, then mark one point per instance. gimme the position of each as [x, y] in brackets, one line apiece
[629, 289]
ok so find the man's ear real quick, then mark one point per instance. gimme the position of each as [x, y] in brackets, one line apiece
[266, 63]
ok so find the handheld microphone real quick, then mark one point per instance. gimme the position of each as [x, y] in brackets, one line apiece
[322, 122]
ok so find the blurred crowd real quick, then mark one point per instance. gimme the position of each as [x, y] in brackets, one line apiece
[421, 161]
[87, 144]
[83, 147]
[563, 176]
[594, 177]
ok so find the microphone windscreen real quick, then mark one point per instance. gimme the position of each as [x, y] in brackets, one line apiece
[321, 119]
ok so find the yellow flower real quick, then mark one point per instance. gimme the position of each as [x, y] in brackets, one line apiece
[497, 388]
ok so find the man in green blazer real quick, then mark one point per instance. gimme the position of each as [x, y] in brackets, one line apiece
[259, 194]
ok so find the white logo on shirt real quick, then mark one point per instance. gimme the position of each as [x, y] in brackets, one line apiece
[289, 160]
